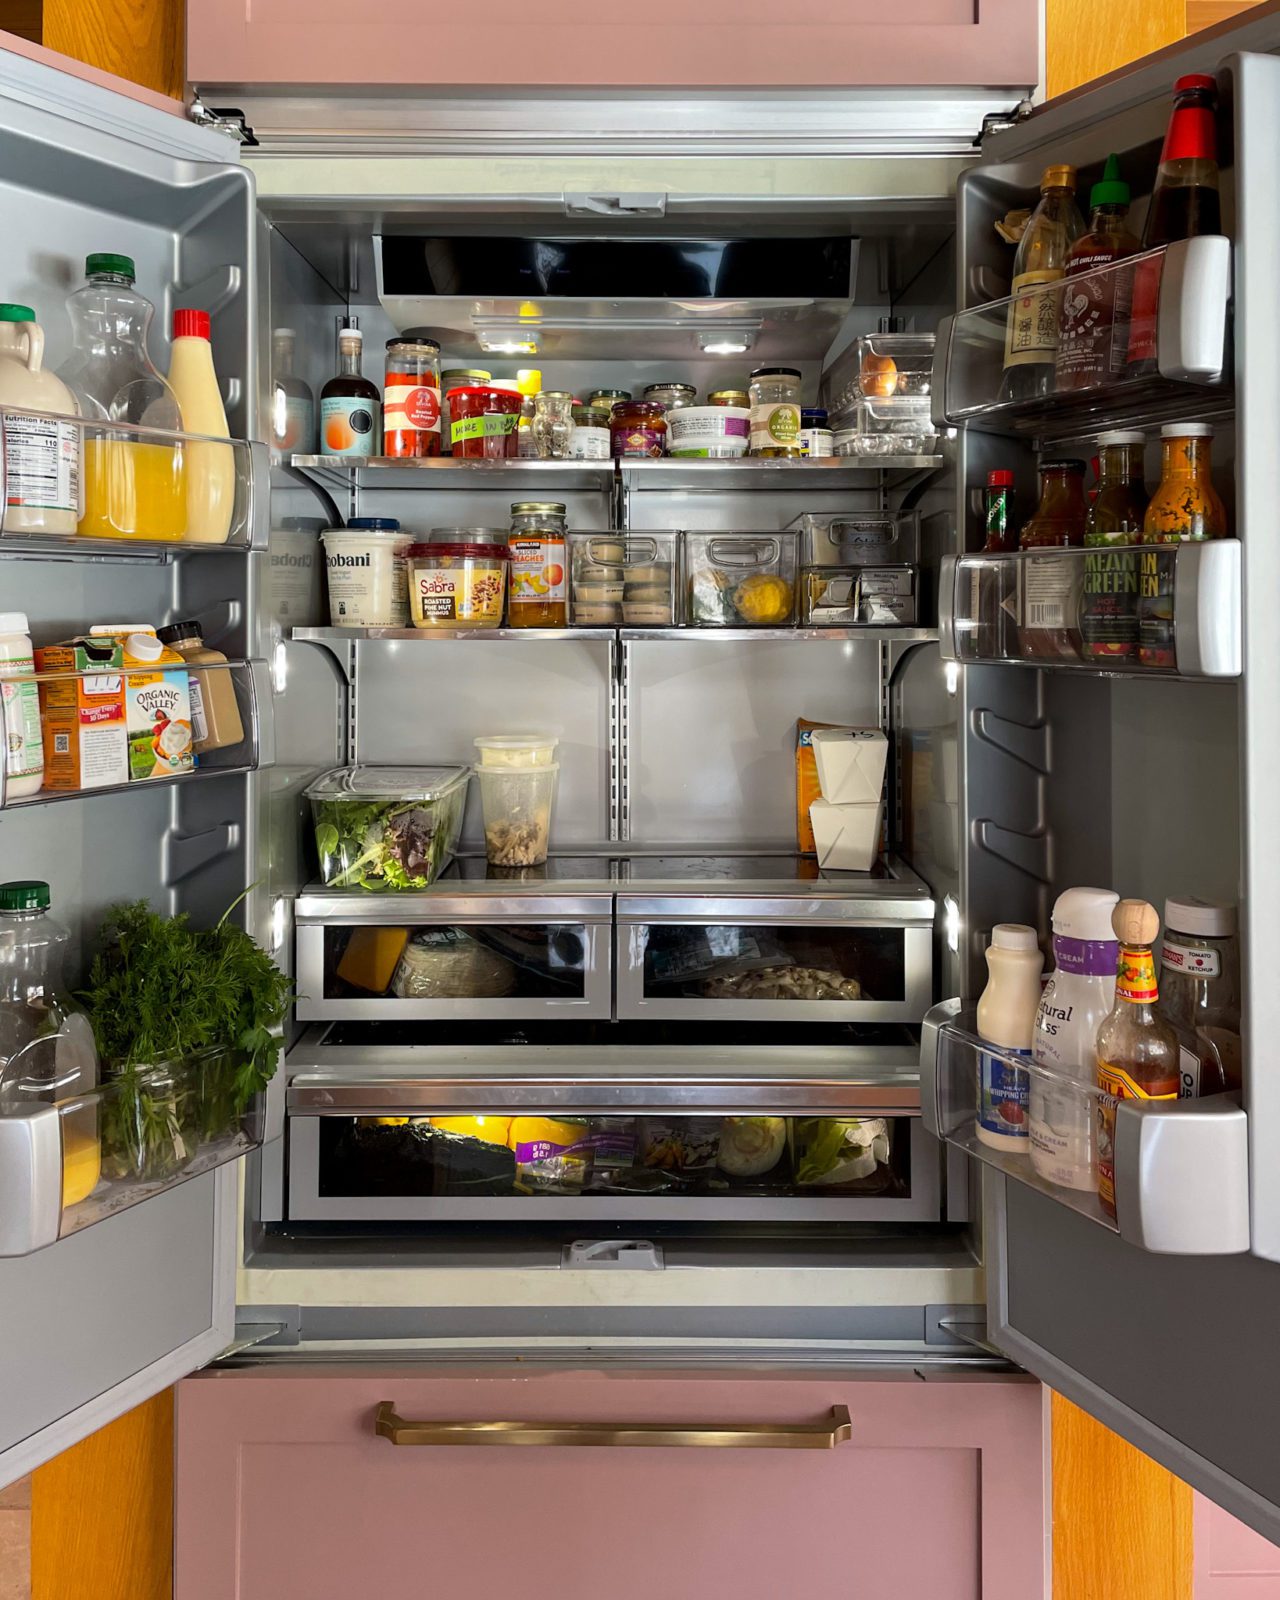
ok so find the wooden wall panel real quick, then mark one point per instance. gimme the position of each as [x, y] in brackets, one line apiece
[1085, 38]
[141, 40]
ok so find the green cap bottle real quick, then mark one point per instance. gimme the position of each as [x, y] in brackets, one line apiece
[1111, 189]
[24, 894]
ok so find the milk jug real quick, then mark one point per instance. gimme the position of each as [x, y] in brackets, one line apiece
[41, 489]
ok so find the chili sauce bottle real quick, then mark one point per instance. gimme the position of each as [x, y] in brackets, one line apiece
[1049, 587]
[1109, 604]
[1093, 324]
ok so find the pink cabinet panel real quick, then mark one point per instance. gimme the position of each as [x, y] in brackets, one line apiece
[835, 43]
[1231, 1561]
[284, 1490]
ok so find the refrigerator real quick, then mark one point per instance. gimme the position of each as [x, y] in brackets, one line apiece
[1008, 781]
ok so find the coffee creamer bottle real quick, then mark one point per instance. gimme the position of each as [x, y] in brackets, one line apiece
[1006, 1017]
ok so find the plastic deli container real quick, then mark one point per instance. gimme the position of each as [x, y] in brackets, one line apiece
[520, 750]
[365, 565]
[716, 432]
[387, 828]
[460, 584]
[741, 580]
[847, 837]
[482, 422]
[517, 804]
[624, 579]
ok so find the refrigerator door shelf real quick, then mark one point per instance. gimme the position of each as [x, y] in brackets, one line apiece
[1161, 611]
[1192, 358]
[1178, 1169]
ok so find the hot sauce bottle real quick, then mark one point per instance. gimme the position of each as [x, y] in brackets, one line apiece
[1049, 587]
[1185, 506]
[1138, 1056]
[1109, 604]
[1093, 326]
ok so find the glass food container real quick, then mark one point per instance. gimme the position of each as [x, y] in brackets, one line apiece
[730, 397]
[590, 438]
[411, 399]
[740, 580]
[387, 828]
[638, 429]
[553, 424]
[671, 396]
[456, 378]
[625, 579]
[459, 579]
[538, 552]
[775, 411]
[483, 422]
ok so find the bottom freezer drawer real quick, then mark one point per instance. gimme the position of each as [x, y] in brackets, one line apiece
[675, 1167]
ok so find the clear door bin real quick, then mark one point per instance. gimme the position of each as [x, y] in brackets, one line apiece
[1190, 346]
[68, 1163]
[142, 487]
[740, 580]
[625, 579]
[1170, 1176]
[1166, 609]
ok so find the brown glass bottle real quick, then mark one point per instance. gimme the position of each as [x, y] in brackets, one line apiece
[1109, 604]
[1031, 331]
[1049, 586]
[1093, 328]
[350, 406]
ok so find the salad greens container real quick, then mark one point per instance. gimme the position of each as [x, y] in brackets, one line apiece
[387, 828]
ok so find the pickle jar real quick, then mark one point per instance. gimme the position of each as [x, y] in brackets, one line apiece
[775, 412]
[539, 570]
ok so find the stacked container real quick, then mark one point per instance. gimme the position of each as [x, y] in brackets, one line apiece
[849, 818]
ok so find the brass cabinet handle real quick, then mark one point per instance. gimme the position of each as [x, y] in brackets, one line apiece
[837, 1429]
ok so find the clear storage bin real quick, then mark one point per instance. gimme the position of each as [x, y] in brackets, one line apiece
[387, 828]
[854, 539]
[740, 580]
[624, 579]
[901, 426]
[894, 364]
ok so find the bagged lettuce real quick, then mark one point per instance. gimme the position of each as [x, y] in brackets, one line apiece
[834, 1150]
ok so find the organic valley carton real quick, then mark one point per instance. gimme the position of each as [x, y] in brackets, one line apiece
[157, 708]
[85, 744]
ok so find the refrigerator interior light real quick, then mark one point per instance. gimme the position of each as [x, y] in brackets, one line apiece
[726, 341]
[951, 923]
[951, 674]
[277, 922]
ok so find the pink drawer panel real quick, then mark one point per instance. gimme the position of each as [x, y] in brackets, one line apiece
[1231, 1561]
[283, 1489]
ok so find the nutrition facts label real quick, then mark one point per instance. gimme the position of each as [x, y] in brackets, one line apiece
[41, 463]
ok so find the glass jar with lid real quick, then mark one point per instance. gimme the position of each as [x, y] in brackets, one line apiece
[671, 396]
[606, 399]
[552, 424]
[411, 398]
[456, 378]
[638, 429]
[775, 412]
[590, 438]
[538, 552]
[738, 398]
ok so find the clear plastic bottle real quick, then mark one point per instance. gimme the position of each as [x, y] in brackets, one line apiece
[21, 743]
[47, 1050]
[1200, 993]
[1007, 1017]
[133, 488]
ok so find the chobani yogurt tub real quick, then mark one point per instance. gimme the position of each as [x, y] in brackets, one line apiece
[365, 565]
[719, 432]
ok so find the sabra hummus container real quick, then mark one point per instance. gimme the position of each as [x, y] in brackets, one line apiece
[718, 432]
[365, 565]
[459, 580]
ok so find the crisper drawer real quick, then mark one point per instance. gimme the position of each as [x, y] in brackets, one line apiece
[421, 957]
[826, 960]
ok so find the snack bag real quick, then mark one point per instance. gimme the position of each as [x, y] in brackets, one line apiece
[807, 787]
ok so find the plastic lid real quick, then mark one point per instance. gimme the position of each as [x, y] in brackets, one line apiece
[1187, 430]
[144, 647]
[12, 313]
[476, 374]
[116, 266]
[813, 417]
[517, 741]
[350, 336]
[1111, 190]
[1121, 436]
[470, 535]
[610, 394]
[1000, 478]
[775, 372]
[176, 632]
[1085, 914]
[1058, 177]
[24, 894]
[529, 381]
[467, 549]
[1210, 921]
[1014, 936]
[13, 622]
[668, 388]
[1194, 80]
[191, 325]
[284, 333]
[373, 525]
[515, 774]
[419, 784]
[413, 342]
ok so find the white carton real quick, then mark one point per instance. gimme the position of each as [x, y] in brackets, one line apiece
[848, 836]
[851, 764]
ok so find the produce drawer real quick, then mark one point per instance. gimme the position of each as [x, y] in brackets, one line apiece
[833, 958]
[303, 1481]
[469, 958]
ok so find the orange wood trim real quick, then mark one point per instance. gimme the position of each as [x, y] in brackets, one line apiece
[1207, 13]
[102, 1512]
[141, 40]
[1085, 38]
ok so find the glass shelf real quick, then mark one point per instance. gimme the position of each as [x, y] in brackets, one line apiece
[83, 1158]
[1185, 374]
[89, 705]
[868, 632]
[131, 493]
[1167, 611]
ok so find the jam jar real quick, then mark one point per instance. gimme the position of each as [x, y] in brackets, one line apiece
[638, 429]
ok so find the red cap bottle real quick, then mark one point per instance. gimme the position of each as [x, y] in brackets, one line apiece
[191, 325]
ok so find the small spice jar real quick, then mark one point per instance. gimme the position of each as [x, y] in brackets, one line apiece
[483, 422]
[411, 398]
[638, 429]
[738, 398]
[671, 396]
[606, 399]
[459, 579]
[552, 424]
[775, 411]
[590, 438]
[538, 552]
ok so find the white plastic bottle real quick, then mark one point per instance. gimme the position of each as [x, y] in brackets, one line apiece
[1076, 1001]
[210, 468]
[19, 710]
[41, 455]
[1007, 1017]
